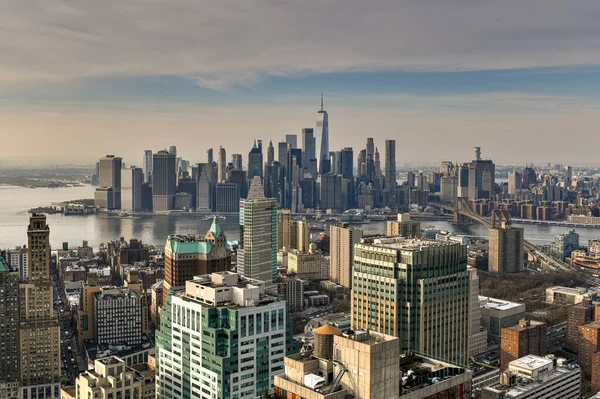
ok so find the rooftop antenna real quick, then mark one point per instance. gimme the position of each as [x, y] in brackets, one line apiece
[321, 100]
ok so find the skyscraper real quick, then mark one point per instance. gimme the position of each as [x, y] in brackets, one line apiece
[209, 155]
[390, 169]
[164, 181]
[222, 165]
[173, 150]
[309, 150]
[347, 163]
[292, 140]
[270, 154]
[506, 245]
[323, 131]
[224, 337]
[206, 180]
[255, 162]
[108, 194]
[39, 354]
[342, 241]
[417, 290]
[482, 177]
[131, 188]
[331, 192]
[147, 165]
[236, 159]
[257, 252]
[9, 331]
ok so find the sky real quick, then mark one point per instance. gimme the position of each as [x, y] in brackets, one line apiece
[519, 78]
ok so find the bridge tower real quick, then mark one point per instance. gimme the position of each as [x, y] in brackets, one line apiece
[460, 210]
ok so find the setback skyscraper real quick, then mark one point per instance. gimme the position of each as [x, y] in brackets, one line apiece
[257, 252]
[164, 181]
[255, 162]
[323, 131]
[417, 290]
[40, 364]
[222, 338]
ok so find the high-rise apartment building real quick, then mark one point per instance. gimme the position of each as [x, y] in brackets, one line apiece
[309, 157]
[164, 181]
[9, 331]
[257, 251]
[39, 332]
[117, 317]
[564, 244]
[404, 227]
[132, 179]
[578, 315]
[222, 165]
[255, 162]
[292, 233]
[323, 131]
[589, 343]
[526, 338]
[506, 245]
[108, 194]
[147, 165]
[417, 290]
[192, 255]
[85, 320]
[342, 239]
[209, 155]
[220, 338]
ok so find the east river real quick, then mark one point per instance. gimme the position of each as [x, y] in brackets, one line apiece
[15, 201]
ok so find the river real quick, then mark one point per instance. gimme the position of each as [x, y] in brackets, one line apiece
[15, 201]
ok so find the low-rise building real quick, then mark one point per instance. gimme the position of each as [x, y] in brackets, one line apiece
[565, 295]
[497, 314]
[537, 377]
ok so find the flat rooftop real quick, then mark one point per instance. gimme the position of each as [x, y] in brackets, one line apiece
[568, 290]
[498, 304]
[408, 244]
[531, 362]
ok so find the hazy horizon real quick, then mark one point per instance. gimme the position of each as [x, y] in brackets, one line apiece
[520, 79]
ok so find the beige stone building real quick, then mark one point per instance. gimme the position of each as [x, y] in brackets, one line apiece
[506, 245]
[110, 379]
[404, 227]
[341, 250]
[306, 266]
[39, 332]
[292, 233]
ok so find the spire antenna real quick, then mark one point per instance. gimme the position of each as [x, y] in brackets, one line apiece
[321, 100]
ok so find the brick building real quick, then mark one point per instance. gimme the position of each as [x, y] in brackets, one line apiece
[526, 338]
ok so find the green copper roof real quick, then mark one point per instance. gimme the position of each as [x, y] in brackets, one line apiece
[215, 229]
[194, 247]
[3, 265]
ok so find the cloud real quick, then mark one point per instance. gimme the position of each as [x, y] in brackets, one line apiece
[224, 43]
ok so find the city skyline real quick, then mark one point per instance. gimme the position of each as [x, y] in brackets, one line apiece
[521, 71]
